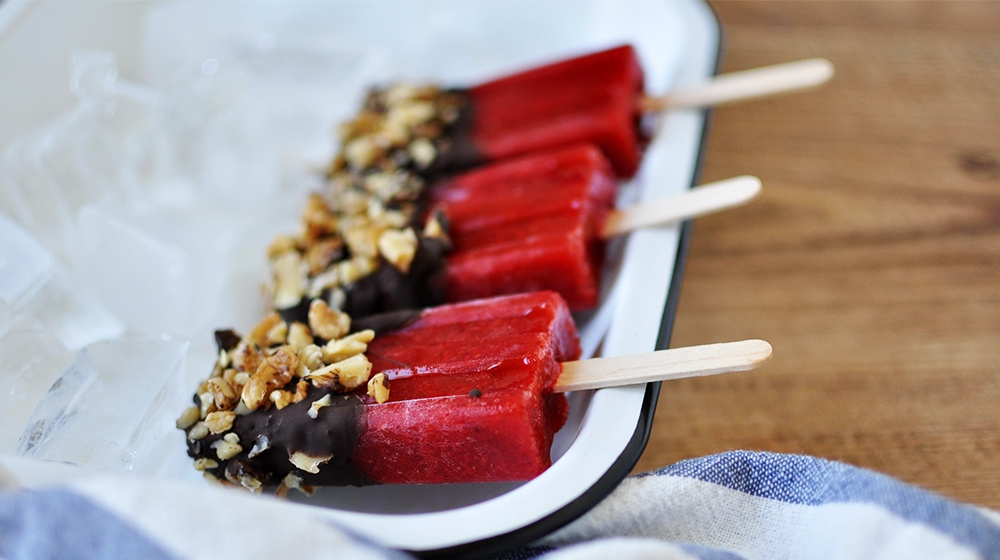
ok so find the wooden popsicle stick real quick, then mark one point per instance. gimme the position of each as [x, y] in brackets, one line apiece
[663, 365]
[745, 85]
[698, 201]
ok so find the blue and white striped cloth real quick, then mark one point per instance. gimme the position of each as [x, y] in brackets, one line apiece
[736, 505]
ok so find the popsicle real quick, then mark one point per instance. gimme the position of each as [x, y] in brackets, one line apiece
[462, 408]
[476, 395]
[540, 222]
[535, 222]
[596, 98]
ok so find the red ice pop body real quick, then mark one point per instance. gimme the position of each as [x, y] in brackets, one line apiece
[471, 397]
[527, 224]
[590, 98]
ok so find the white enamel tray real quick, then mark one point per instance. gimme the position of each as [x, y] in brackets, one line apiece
[459, 43]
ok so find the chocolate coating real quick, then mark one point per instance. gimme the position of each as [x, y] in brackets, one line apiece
[226, 339]
[388, 289]
[457, 151]
[273, 435]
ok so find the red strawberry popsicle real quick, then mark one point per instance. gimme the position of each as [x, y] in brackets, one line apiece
[535, 222]
[597, 98]
[531, 223]
[471, 400]
[590, 98]
[540, 222]
[476, 396]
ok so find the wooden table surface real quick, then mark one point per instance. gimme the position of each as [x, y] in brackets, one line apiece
[871, 261]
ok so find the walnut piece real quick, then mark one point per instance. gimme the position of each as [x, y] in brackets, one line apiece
[328, 323]
[227, 447]
[220, 421]
[350, 345]
[198, 431]
[299, 337]
[344, 375]
[398, 247]
[318, 404]
[189, 417]
[205, 463]
[291, 481]
[261, 333]
[289, 279]
[280, 398]
[378, 387]
[223, 394]
[308, 463]
[274, 373]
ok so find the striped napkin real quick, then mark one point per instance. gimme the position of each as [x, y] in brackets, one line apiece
[729, 506]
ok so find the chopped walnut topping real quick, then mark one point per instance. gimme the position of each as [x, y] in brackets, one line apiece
[346, 374]
[247, 357]
[261, 445]
[223, 395]
[423, 152]
[308, 463]
[293, 481]
[220, 421]
[289, 279]
[318, 404]
[198, 431]
[260, 335]
[325, 252]
[277, 335]
[398, 248]
[207, 401]
[274, 373]
[361, 152]
[320, 221]
[282, 244]
[280, 398]
[228, 447]
[223, 362]
[362, 240]
[408, 113]
[350, 345]
[433, 229]
[328, 323]
[242, 409]
[361, 218]
[311, 357]
[401, 92]
[378, 387]
[326, 280]
[229, 375]
[205, 463]
[189, 418]
[356, 268]
[240, 379]
[251, 484]
[301, 392]
[299, 337]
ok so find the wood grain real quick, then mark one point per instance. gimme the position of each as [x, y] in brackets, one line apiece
[871, 261]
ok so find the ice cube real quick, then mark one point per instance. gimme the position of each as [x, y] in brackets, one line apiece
[113, 409]
[72, 313]
[144, 281]
[31, 195]
[24, 262]
[32, 360]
